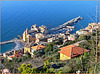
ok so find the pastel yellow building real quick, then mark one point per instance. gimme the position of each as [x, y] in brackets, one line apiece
[64, 57]
[24, 36]
[43, 29]
[27, 48]
[27, 37]
[26, 32]
[70, 51]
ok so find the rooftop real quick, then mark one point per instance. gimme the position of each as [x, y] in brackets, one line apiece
[66, 47]
[72, 51]
[38, 47]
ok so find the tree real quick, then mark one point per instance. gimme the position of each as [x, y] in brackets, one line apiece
[59, 42]
[26, 68]
[28, 55]
[84, 45]
[34, 70]
[23, 58]
[57, 55]
[49, 47]
[87, 37]
[82, 37]
[45, 68]
[60, 71]
[47, 63]
[51, 70]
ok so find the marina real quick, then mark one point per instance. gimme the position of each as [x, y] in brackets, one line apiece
[61, 28]
[66, 27]
[69, 23]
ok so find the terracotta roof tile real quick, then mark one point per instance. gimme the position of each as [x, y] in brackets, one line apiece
[15, 55]
[38, 47]
[66, 52]
[72, 51]
[12, 56]
[78, 51]
[66, 47]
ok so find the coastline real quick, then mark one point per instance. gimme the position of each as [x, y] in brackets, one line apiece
[17, 45]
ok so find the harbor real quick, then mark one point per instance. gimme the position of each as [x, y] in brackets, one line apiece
[66, 27]
[19, 44]
[69, 23]
[59, 28]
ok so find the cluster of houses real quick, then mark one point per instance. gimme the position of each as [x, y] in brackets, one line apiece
[34, 33]
[89, 29]
[73, 50]
[13, 53]
[38, 37]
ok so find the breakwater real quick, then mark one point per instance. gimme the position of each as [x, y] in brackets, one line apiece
[19, 45]
[69, 23]
[10, 41]
[6, 42]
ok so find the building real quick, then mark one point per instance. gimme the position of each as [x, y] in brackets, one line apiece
[14, 55]
[5, 71]
[67, 32]
[44, 39]
[10, 57]
[62, 35]
[38, 47]
[28, 35]
[71, 51]
[26, 32]
[34, 27]
[39, 35]
[92, 27]
[99, 23]
[93, 24]
[65, 41]
[50, 39]
[27, 48]
[8, 53]
[72, 37]
[43, 29]
[88, 27]
[82, 32]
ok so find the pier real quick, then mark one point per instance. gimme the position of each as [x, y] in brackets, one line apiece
[10, 41]
[69, 23]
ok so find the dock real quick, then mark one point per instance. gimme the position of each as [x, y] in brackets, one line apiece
[10, 41]
[69, 23]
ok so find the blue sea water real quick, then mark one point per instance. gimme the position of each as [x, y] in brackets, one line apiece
[16, 16]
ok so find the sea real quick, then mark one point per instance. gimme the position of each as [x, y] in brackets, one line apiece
[16, 16]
